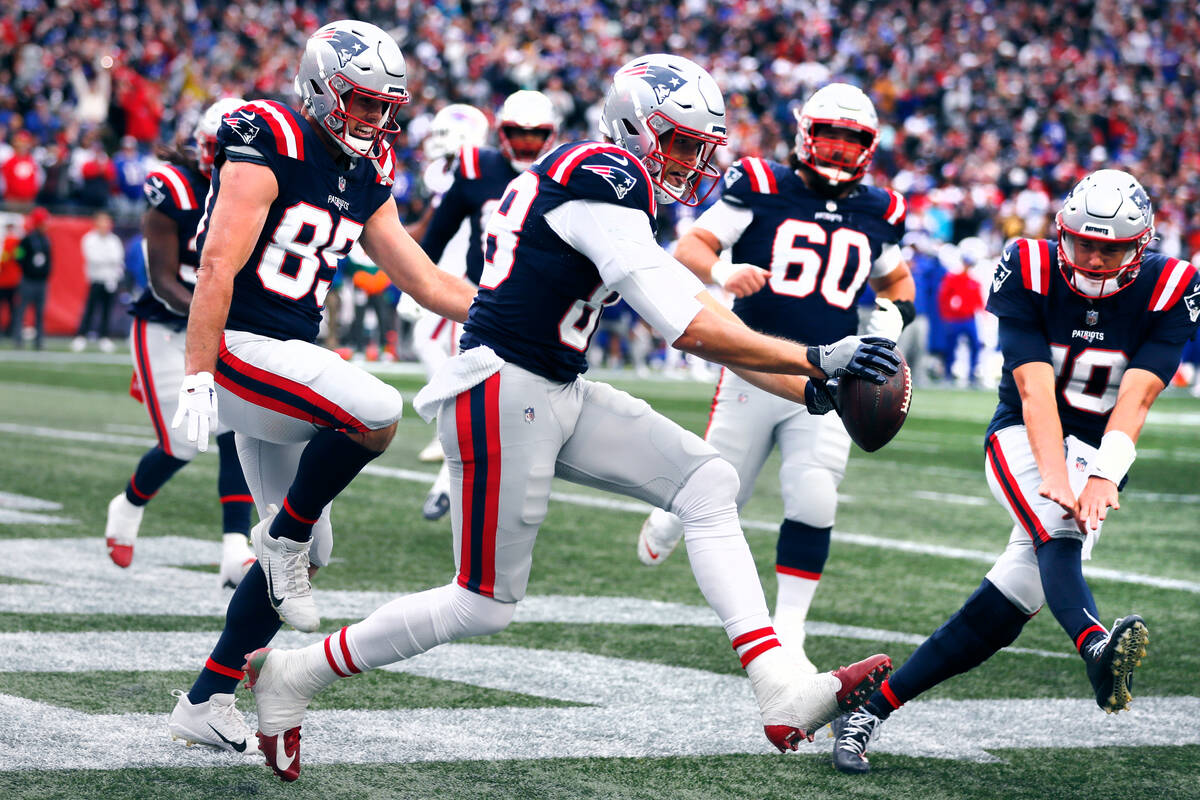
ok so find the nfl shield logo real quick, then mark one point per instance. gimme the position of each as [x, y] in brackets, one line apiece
[529, 415]
[341, 183]
[1092, 317]
[1080, 463]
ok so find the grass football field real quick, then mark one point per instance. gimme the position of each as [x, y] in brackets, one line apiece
[615, 680]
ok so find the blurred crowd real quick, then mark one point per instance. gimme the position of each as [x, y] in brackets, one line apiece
[990, 109]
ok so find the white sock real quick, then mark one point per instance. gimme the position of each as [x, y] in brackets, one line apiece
[794, 595]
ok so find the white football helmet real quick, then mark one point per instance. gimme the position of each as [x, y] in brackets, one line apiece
[837, 131]
[205, 135]
[526, 112]
[350, 63]
[456, 126]
[1108, 213]
[668, 112]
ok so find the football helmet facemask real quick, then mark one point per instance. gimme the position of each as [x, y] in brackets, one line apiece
[352, 80]
[668, 112]
[837, 131]
[456, 126]
[526, 127]
[1104, 226]
[205, 135]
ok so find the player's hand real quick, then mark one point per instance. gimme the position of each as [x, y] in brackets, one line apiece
[740, 280]
[867, 357]
[1059, 490]
[197, 405]
[408, 309]
[1099, 495]
[884, 320]
[820, 396]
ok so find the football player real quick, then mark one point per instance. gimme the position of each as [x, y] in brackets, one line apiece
[292, 191]
[513, 410]
[527, 128]
[175, 191]
[805, 241]
[1091, 331]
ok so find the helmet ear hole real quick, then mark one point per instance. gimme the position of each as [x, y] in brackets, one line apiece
[632, 131]
[316, 87]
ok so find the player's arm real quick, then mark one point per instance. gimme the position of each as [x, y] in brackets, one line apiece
[418, 228]
[241, 208]
[446, 220]
[406, 264]
[161, 236]
[895, 291]
[700, 250]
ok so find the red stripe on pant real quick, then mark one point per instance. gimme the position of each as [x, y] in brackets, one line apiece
[1012, 490]
[142, 354]
[466, 449]
[491, 509]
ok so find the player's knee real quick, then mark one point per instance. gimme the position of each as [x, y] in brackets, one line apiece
[809, 495]
[380, 408]
[1019, 581]
[477, 615]
[712, 488]
[377, 440]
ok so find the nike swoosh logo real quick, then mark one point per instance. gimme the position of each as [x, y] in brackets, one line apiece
[622, 160]
[653, 555]
[248, 115]
[282, 759]
[239, 746]
[275, 601]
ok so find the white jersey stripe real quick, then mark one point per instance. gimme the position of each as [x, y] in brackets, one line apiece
[1035, 267]
[571, 158]
[290, 133]
[759, 174]
[1178, 270]
[901, 208]
[179, 189]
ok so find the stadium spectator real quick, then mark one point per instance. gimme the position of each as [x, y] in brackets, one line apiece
[960, 298]
[10, 275]
[131, 168]
[21, 173]
[104, 263]
[33, 254]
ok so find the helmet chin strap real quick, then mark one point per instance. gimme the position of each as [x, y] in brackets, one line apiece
[1090, 286]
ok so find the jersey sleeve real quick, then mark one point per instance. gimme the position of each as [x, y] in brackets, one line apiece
[1177, 297]
[447, 219]
[737, 186]
[169, 191]
[1009, 298]
[262, 132]
[605, 173]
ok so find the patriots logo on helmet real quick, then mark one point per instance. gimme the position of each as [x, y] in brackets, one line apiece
[663, 80]
[620, 180]
[1192, 301]
[346, 46]
[242, 127]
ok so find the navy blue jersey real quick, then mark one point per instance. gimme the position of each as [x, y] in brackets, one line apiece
[480, 175]
[1090, 342]
[322, 206]
[178, 192]
[540, 299]
[819, 251]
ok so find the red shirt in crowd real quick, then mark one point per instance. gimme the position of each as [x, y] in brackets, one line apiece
[960, 297]
[22, 179]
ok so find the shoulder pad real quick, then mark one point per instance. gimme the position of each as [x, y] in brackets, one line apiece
[1174, 280]
[604, 172]
[896, 209]
[1033, 257]
[760, 175]
[267, 126]
[468, 163]
[168, 186]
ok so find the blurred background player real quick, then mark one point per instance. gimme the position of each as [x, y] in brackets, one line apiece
[1091, 331]
[526, 128]
[175, 192]
[805, 240]
[292, 191]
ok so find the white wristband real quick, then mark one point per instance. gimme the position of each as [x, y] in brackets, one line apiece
[722, 271]
[1114, 458]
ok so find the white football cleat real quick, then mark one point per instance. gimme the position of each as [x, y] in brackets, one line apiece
[794, 706]
[659, 535]
[285, 563]
[121, 529]
[432, 452]
[790, 630]
[276, 678]
[236, 559]
[215, 722]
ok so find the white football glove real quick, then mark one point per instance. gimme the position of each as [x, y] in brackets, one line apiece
[884, 320]
[408, 309]
[198, 405]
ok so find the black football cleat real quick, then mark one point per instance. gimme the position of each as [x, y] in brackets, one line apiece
[852, 733]
[1111, 661]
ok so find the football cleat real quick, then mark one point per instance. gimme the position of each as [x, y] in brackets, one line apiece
[432, 452]
[661, 531]
[436, 505]
[285, 563]
[852, 733]
[790, 630]
[273, 677]
[795, 709]
[214, 723]
[1111, 661]
[236, 559]
[121, 529]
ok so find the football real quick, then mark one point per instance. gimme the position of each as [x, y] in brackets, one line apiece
[872, 413]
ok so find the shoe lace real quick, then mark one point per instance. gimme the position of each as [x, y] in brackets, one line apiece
[1096, 649]
[295, 568]
[228, 717]
[857, 733]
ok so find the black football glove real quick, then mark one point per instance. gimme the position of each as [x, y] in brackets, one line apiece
[821, 396]
[867, 357]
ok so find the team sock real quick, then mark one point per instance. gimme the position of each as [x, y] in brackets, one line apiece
[154, 470]
[250, 623]
[329, 462]
[231, 486]
[1067, 594]
[800, 557]
[987, 622]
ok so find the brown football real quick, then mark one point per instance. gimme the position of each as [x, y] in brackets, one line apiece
[873, 414]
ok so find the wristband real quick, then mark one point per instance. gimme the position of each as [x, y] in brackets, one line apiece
[908, 311]
[722, 271]
[1114, 458]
